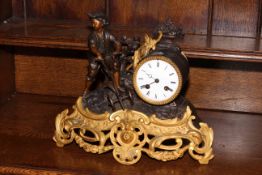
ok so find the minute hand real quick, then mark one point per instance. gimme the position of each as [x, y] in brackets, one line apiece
[148, 85]
[149, 75]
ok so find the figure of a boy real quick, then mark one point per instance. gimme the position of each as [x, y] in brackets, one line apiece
[104, 48]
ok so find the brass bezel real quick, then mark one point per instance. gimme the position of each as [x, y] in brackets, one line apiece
[163, 58]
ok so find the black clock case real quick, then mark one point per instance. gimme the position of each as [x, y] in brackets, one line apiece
[170, 50]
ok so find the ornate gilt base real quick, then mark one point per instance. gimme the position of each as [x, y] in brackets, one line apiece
[129, 133]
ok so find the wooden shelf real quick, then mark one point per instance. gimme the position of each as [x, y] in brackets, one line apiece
[225, 74]
[27, 127]
[44, 33]
[66, 34]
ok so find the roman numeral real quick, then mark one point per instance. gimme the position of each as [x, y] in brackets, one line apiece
[155, 96]
[157, 64]
[173, 82]
[171, 74]
[149, 65]
[148, 92]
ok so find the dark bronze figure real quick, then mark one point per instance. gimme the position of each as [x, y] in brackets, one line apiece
[105, 50]
[109, 58]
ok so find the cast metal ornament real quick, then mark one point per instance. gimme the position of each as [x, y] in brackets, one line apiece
[144, 49]
[128, 133]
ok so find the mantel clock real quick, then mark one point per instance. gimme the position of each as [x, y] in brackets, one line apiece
[138, 108]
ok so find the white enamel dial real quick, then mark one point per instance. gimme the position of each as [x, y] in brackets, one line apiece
[157, 80]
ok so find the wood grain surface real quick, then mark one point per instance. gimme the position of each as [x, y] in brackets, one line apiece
[50, 76]
[226, 89]
[190, 15]
[27, 146]
[210, 17]
[7, 86]
[5, 9]
[58, 9]
[260, 44]
[18, 8]
[259, 20]
[223, 17]
[7, 74]
[235, 17]
[73, 35]
[213, 85]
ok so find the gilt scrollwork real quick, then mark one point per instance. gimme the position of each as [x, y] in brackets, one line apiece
[128, 133]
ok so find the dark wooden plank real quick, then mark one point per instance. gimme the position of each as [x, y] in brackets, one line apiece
[7, 76]
[190, 15]
[213, 85]
[221, 48]
[259, 20]
[45, 33]
[233, 88]
[210, 17]
[6, 170]
[59, 9]
[27, 144]
[235, 17]
[63, 76]
[107, 8]
[69, 34]
[5, 9]
[18, 8]
[260, 45]
[72, 35]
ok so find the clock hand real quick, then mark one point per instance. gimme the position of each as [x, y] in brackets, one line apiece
[147, 86]
[166, 88]
[149, 75]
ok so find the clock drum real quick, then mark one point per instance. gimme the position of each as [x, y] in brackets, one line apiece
[160, 76]
[175, 55]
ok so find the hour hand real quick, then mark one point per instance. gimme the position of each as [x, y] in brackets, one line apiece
[147, 86]
[166, 88]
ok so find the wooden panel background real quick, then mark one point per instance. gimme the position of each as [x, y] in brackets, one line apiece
[211, 88]
[235, 17]
[234, 90]
[50, 76]
[5, 9]
[18, 8]
[259, 20]
[191, 15]
[7, 86]
[230, 17]
[58, 9]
